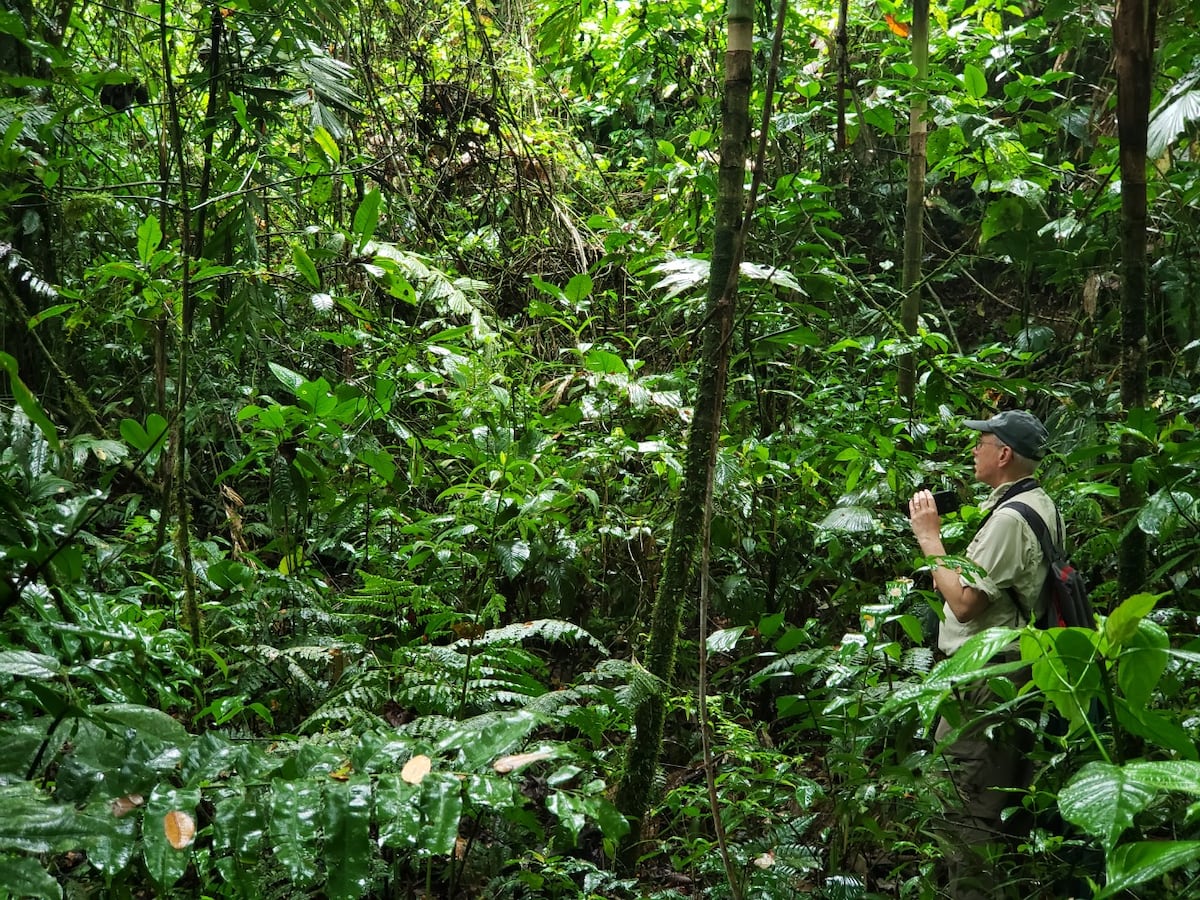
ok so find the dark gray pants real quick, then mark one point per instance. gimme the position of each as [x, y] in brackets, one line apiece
[989, 766]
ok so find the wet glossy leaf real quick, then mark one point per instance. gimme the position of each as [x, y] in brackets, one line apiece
[347, 822]
[441, 807]
[397, 811]
[26, 664]
[24, 876]
[486, 737]
[295, 811]
[1102, 799]
[168, 829]
[1134, 864]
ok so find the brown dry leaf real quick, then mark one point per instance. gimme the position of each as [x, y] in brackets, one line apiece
[416, 769]
[123, 806]
[506, 764]
[179, 828]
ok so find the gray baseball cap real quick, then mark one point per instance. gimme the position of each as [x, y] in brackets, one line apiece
[1022, 431]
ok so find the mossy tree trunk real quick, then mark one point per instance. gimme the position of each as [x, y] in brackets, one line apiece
[914, 208]
[678, 582]
[1133, 52]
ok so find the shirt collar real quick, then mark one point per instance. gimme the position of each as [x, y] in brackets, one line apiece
[994, 497]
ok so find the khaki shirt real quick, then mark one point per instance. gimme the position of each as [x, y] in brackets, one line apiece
[1007, 555]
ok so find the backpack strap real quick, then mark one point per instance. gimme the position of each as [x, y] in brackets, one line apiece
[1042, 533]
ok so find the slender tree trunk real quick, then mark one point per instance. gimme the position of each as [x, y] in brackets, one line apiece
[1133, 51]
[678, 581]
[914, 209]
[842, 49]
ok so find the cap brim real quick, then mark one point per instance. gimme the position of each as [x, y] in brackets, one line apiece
[978, 424]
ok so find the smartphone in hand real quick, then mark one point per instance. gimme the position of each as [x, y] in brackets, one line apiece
[944, 501]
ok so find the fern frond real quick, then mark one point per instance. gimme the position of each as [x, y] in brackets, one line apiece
[549, 630]
[356, 701]
[427, 728]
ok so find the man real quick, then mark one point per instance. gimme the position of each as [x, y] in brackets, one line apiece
[1002, 587]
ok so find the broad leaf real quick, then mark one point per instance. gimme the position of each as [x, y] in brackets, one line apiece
[295, 814]
[28, 403]
[149, 235]
[974, 81]
[1102, 799]
[397, 811]
[441, 807]
[347, 823]
[168, 829]
[305, 266]
[27, 664]
[25, 877]
[1178, 110]
[144, 720]
[289, 379]
[1134, 864]
[1143, 662]
[366, 217]
[482, 739]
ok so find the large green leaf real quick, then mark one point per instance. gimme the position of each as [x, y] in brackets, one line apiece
[366, 217]
[347, 852]
[483, 738]
[165, 861]
[149, 235]
[397, 811]
[144, 720]
[1122, 623]
[289, 379]
[1143, 662]
[1133, 864]
[1178, 109]
[974, 81]
[30, 823]
[28, 403]
[969, 663]
[26, 664]
[441, 806]
[512, 556]
[295, 814]
[1102, 799]
[24, 876]
[1066, 669]
[1155, 728]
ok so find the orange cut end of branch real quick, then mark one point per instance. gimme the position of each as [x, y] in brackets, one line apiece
[416, 769]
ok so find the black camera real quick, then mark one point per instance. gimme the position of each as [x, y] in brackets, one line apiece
[944, 501]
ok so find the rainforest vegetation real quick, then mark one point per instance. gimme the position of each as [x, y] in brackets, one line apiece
[455, 449]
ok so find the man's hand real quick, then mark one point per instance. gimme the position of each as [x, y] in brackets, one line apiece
[965, 602]
[926, 523]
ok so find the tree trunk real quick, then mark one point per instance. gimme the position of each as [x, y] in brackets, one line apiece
[1133, 51]
[678, 581]
[914, 209]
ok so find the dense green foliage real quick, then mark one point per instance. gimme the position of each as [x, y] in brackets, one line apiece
[348, 360]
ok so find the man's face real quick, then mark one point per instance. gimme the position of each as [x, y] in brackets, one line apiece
[990, 454]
